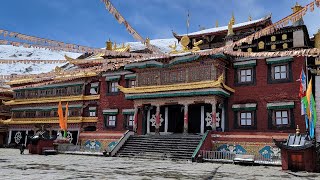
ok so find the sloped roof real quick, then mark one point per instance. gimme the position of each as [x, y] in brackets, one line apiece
[225, 28]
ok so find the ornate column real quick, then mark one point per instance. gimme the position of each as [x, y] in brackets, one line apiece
[202, 120]
[157, 130]
[166, 119]
[9, 137]
[148, 120]
[185, 119]
[223, 118]
[214, 110]
[135, 119]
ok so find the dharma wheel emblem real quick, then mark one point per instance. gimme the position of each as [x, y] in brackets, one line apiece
[17, 137]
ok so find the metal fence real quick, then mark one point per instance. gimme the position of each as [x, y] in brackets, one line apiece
[220, 156]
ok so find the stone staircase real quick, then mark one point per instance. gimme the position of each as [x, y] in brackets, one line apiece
[176, 146]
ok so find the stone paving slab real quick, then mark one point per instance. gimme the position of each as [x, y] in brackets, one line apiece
[65, 166]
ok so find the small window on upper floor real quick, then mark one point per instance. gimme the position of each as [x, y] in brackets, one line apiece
[113, 87]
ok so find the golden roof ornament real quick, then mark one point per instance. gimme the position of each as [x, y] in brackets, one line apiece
[196, 46]
[173, 48]
[296, 8]
[217, 24]
[232, 20]
[58, 70]
[298, 131]
[109, 45]
[230, 30]
[185, 42]
[147, 41]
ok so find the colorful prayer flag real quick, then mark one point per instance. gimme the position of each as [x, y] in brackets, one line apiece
[303, 84]
[60, 114]
[308, 95]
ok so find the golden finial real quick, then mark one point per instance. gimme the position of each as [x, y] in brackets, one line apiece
[58, 70]
[296, 8]
[233, 20]
[115, 45]
[230, 30]
[196, 46]
[173, 48]
[109, 45]
[298, 131]
[122, 45]
[147, 41]
[217, 25]
[185, 42]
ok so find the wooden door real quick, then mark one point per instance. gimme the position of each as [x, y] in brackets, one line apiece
[296, 162]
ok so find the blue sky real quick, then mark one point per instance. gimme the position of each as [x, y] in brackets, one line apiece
[87, 22]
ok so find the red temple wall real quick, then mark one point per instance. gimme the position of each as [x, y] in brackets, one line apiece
[262, 93]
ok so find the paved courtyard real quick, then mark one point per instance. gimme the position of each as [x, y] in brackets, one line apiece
[16, 166]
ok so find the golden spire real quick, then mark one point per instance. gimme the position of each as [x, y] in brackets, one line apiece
[232, 20]
[296, 8]
[109, 45]
[230, 30]
[217, 24]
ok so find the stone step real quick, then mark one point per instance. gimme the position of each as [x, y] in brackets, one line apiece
[161, 144]
[160, 147]
[156, 150]
[188, 148]
[155, 156]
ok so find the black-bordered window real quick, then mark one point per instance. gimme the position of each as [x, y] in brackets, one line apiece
[110, 120]
[245, 73]
[280, 115]
[113, 87]
[279, 70]
[245, 116]
[130, 83]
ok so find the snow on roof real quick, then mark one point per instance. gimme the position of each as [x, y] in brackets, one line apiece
[22, 53]
[9, 52]
[162, 44]
[223, 28]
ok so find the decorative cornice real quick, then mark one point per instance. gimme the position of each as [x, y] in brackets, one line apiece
[280, 105]
[245, 64]
[177, 87]
[279, 60]
[127, 111]
[247, 107]
[188, 93]
[52, 99]
[50, 120]
[110, 111]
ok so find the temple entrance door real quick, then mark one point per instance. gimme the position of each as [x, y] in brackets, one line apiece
[175, 118]
[194, 115]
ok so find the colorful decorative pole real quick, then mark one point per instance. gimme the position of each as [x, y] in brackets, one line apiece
[185, 119]
[135, 120]
[157, 130]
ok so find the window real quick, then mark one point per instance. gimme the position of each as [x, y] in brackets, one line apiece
[245, 75]
[44, 113]
[131, 83]
[280, 72]
[245, 118]
[130, 119]
[94, 88]
[113, 87]
[110, 120]
[281, 118]
[92, 111]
